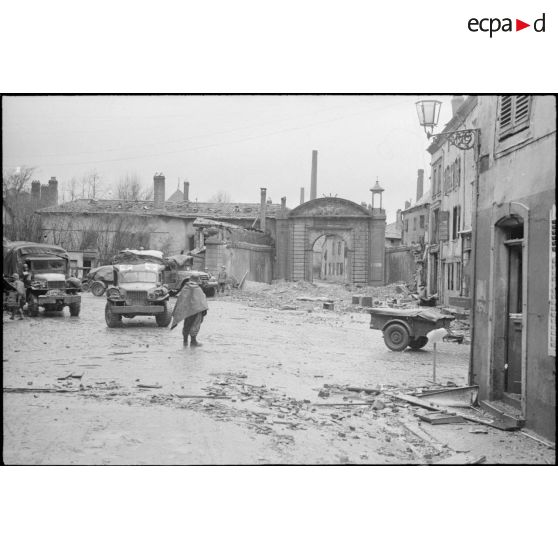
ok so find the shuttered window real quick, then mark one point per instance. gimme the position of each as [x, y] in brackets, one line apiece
[514, 114]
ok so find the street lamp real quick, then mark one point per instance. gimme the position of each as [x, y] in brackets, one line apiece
[428, 114]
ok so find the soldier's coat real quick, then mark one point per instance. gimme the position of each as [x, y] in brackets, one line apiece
[191, 300]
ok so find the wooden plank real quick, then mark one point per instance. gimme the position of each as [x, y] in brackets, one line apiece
[414, 401]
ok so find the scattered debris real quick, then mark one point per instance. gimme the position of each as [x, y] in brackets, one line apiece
[441, 417]
[452, 397]
[149, 386]
[461, 459]
[478, 430]
[540, 440]
[323, 393]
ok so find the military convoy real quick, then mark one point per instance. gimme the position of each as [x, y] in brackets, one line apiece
[48, 284]
[138, 283]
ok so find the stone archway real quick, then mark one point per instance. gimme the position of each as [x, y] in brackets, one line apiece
[361, 231]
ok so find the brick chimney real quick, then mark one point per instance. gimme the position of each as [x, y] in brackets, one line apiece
[398, 217]
[283, 203]
[186, 191]
[407, 204]
[456, 102]
[159, 190]
[301, 196]
[314, 176]
[36, 190]
[420, 184]
[263, 196]
[53, 191]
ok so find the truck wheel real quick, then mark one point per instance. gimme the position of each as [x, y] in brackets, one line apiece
[85, 287]
[33, 305]
[164, 319]
[113, 320]
[396, 337]
[210, 292]
[418, 343]
[75, 307]
[98, 288]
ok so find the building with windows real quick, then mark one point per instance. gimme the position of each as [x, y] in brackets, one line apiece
[453, 175]
[514, 265]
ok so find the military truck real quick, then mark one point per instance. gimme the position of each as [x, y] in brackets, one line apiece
[49, 284]
[137, 290]
[177, 270]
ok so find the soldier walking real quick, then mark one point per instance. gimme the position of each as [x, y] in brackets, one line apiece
[191, 306]
[222, 280]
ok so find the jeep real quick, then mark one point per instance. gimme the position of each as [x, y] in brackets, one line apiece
[137, 290]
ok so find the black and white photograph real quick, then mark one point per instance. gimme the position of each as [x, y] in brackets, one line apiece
[279, 279]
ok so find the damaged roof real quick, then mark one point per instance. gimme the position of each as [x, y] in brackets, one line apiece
[393, 231]
[181, 209]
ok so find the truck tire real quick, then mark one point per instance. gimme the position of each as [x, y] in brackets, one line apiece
[33, 305]
[85, 287]
[210, 292]
[98, 288]
[164, 319]
[418, 343]
[396, 337]
[75, 307]
[113, 320]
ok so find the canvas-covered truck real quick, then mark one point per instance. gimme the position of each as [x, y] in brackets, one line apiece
[137, 290]
[177, 270]
[48, 284]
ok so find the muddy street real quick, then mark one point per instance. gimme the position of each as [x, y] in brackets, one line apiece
[267, 386]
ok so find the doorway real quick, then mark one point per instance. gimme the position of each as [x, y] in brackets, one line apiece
[329, 259]
[514, 326]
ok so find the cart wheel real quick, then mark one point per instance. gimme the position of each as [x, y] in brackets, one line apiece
[396, 337]
[418, 343]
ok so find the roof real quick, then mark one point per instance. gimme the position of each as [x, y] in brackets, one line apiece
[392, 230]
[177, 196]
[424, 200]
[182, 209]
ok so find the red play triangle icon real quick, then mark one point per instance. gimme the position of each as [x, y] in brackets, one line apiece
[519, 25]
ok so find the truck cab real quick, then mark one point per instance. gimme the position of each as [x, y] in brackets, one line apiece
[137, 290]
[48, 283]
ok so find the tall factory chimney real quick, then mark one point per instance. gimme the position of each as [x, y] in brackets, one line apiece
[420, 184]
[186, 191]
[314, 177]
[263, 197]
[159, 190]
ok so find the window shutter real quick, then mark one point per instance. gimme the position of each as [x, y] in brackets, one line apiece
[506, 114]
[521, 112]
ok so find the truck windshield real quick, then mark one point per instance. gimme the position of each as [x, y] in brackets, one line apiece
[48, 266]
[137, 276]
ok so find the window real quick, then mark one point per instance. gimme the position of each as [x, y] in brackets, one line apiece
[514, 114]
[406, 225]
[422, 222]
[339, 249]
[434, 232]
[456, 221]
[414, 223]
[340, 269]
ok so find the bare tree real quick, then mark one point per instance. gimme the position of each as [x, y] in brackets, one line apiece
[24, 223]
[129, 188]
[221, 196]
[17, 180]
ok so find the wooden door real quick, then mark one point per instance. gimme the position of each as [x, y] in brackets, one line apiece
[514, 320]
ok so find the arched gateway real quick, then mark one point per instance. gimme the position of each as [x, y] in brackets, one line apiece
[355, 249]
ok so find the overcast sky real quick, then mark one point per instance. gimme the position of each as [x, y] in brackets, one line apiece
[232, 143]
